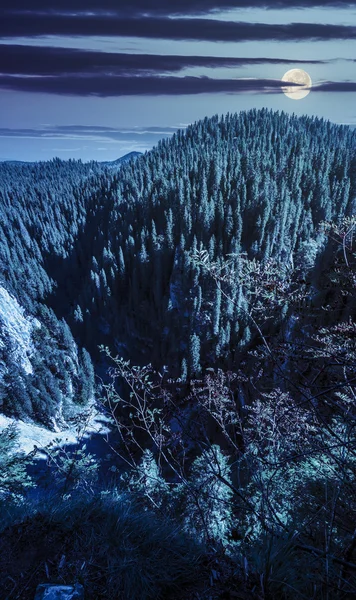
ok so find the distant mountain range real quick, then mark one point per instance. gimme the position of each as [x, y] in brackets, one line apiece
[110, 163]
[121, 161]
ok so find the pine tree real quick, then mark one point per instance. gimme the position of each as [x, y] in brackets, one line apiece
[184, 370]
[147, 481]
[217, 311]
[14, 480]
[194, 355]
[207, 506]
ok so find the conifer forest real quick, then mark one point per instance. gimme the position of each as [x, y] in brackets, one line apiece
[201, 296]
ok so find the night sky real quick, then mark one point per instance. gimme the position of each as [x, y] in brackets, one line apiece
[98, 79]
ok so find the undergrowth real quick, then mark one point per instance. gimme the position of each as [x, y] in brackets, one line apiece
[105, 542]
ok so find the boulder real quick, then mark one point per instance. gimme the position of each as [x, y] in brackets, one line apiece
[48, 591]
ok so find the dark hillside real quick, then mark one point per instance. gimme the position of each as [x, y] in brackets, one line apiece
[110, 252]
[257, 182]
[219, 272]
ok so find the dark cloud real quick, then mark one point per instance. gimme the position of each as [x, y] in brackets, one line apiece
[165, 7]
[161, 28]
[39, 60]
[127, 86]
[336, 86]
[105, 86]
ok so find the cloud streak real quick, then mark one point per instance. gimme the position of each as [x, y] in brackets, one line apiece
[102, 86]
[163, 7]
[33, 25]
[336, 86]
[139, 135]
[39, 60]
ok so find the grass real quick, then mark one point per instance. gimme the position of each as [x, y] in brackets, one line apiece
[112, 547]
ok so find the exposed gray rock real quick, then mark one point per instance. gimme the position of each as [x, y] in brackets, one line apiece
[48, 591]
[16, 329]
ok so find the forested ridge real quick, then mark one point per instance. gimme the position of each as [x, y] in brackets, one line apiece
[110, 251]
[222, 265]
[256, 182]
[42, 209]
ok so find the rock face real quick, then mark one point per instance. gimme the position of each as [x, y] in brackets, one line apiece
[16, 329]
[47, 591]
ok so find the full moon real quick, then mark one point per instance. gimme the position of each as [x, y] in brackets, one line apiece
[297, 76]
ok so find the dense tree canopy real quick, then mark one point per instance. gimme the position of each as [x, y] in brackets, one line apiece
[222, 266]
[110, 251]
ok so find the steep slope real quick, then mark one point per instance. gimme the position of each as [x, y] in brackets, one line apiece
[42, 370]
[110, 251]
[16, 331]
[258, 182]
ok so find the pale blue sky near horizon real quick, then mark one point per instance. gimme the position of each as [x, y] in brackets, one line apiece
[39, 121]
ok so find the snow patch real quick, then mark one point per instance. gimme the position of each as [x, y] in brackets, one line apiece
[32, 435]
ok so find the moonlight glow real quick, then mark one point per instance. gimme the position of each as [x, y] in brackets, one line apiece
[302, 78]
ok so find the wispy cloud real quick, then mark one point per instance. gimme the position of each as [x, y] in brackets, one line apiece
[66, 149]
[40, 60]
[106, 86]
[165, 7]
[336, 86]
[34, 25]
[103, 86]
[90, 133]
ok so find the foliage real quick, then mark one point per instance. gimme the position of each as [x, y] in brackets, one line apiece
[146, 480]
[207, 499]
[284, 483]
[104, 542]
[14, 480]
[224, 261]
[110, 251]
[72, 470]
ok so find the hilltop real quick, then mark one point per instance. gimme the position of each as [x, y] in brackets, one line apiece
[105, 257]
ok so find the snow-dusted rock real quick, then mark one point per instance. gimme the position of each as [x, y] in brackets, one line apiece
[16, 328]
